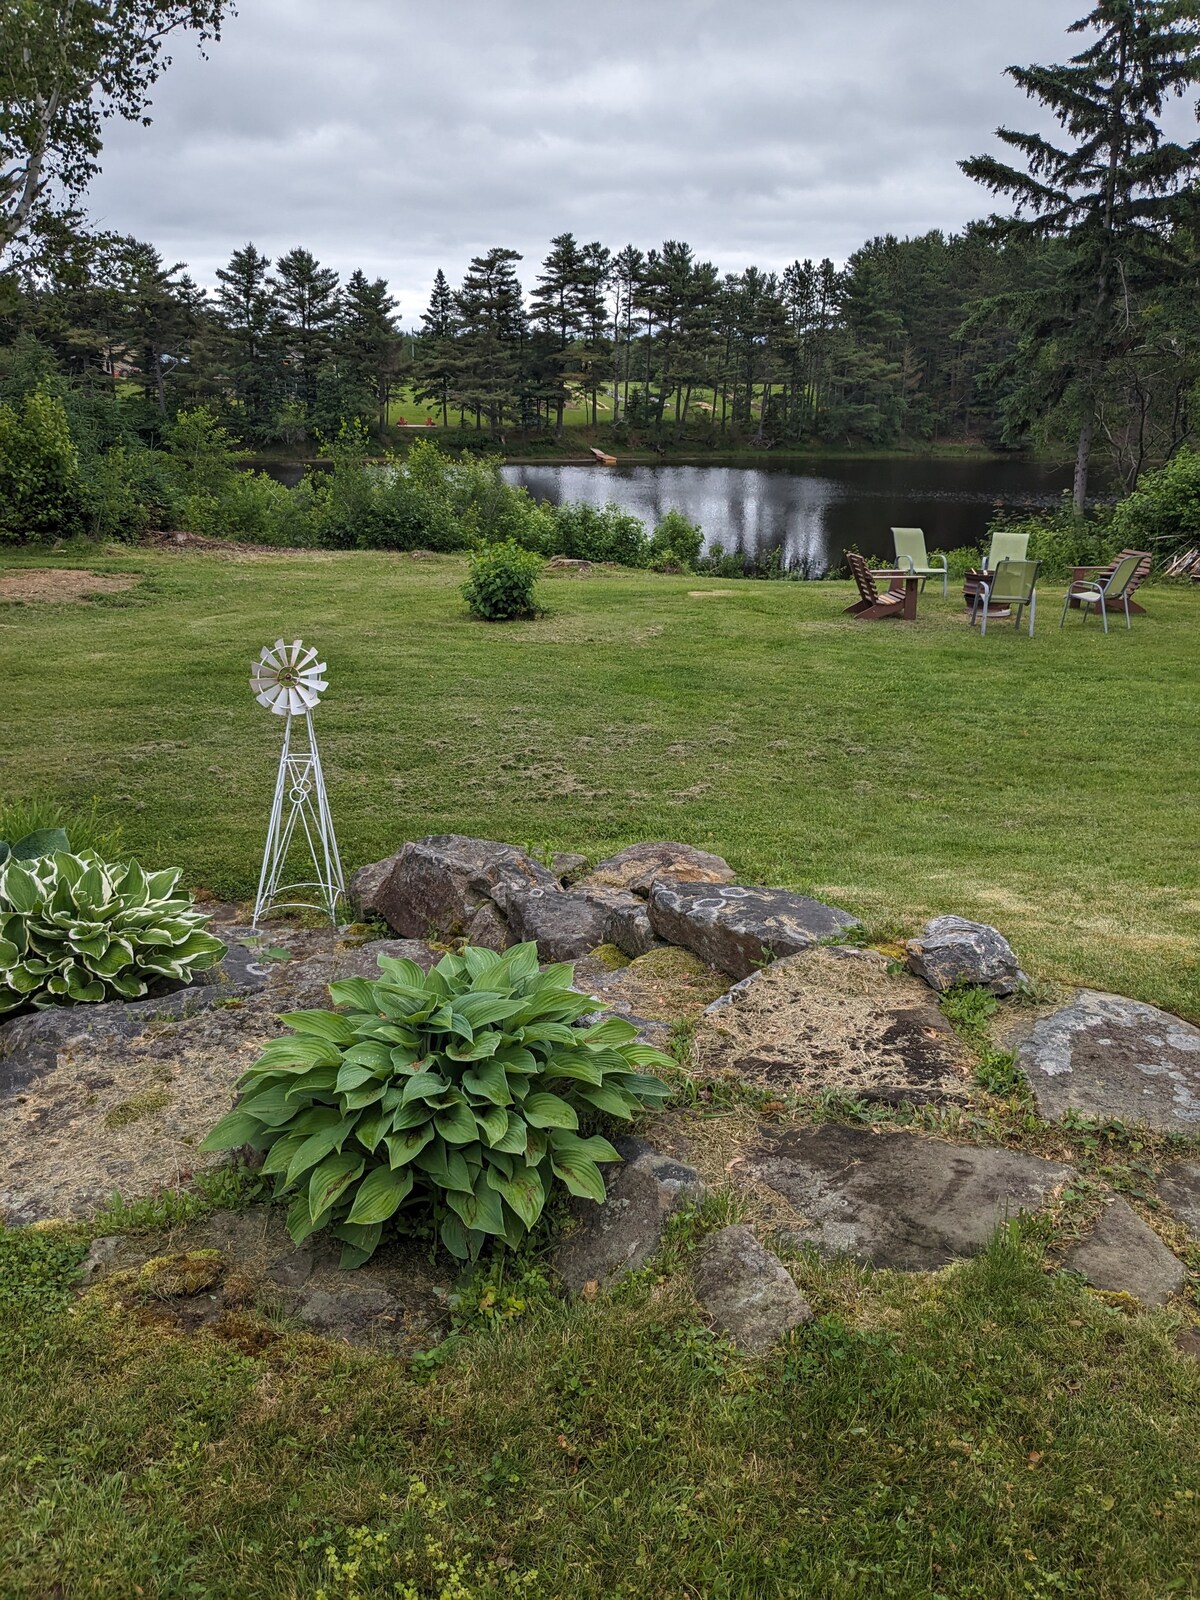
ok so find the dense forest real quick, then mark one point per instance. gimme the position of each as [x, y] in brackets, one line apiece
[912, 341]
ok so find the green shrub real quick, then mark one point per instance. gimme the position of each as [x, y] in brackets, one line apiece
[202, 456]
[1163, 512]
[676, 543]
[128, 492]
[74, 928]
[460, 1096]
[41, 492]
[1060, 539]
[251, 507]
[502, 582]
[600, 533]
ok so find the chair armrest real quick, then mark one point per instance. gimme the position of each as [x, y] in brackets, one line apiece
[939, 555]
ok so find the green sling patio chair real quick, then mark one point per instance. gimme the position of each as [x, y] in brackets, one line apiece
[1105, 591]
[1006, 545]
[1013, 583]
[911, 556]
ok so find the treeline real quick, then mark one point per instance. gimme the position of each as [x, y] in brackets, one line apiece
[921, 340]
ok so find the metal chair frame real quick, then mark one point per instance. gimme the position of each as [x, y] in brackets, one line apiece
[1091, 593]
[993, 579]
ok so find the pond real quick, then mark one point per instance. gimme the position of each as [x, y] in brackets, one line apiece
[812, 510]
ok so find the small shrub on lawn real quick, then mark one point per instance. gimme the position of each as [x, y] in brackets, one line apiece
[75, 929]
[1163, 512]
[460, 1095]
[41, 491]
[676, 543]
[502, 581]
[600, 533]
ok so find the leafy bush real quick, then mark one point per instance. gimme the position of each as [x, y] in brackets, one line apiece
[127, 491]
[74, 928]
[502, 582]
[202, 456]
[1163, 512]
[1060, 539]
[41, 493]
[251, 506]
[459, 1094]
[676, 542]
[600, 533]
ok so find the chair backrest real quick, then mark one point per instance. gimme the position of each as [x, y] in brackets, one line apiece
[861, 574]
[910, 548]
[1014, 582]
[1007, 545]
[1122, 574]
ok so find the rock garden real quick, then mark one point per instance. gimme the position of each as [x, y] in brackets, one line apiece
[892, 1106]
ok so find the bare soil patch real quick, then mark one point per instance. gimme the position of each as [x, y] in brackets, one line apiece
[62, 583]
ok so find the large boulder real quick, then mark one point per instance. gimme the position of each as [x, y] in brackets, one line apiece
[637, 868]
[952, 950]
[835, 1018]
[896, 1200]
[1124, 1255]
[564, 925]
[738, 929]
[746, 1291]
[1113, 1058]
[621, 1235]
[1179, 1186]
[448, 886]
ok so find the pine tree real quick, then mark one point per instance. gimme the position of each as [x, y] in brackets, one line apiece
[492, 342]
[245, 306]
[307, 307]
[558, 316]
[1113, 191]
[367, 342]
[436, 360]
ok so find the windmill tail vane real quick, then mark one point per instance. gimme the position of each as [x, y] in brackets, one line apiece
[289, 681]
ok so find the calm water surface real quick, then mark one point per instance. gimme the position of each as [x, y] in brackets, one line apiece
[812, 510]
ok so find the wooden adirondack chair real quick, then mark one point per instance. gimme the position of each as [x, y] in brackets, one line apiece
[1100, 575]
[871, 606]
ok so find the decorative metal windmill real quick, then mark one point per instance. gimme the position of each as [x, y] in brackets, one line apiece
[289, 680]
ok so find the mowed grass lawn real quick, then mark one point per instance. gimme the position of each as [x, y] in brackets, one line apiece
[1051, 786]
[985, 1433]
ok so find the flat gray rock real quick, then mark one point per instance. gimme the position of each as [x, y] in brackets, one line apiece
[621, 1235]
[1109, 1057]
[1179, 1189]
[746, 1291]
[1124, 1255]
[568, 866]
[835, 1018]
[637, 867]
[736, 929]
[952, 950]
[897, 1200]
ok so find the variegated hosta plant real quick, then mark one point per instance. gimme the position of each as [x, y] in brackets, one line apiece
[74, 928]
[463, 1095]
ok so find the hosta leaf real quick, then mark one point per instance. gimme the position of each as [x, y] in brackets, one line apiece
[311, 1081]
[493, 1124]
[479, 1210]
[548, 1033]
[330, 1179]
[456, 1124]
[574, 1064]
[612, 1031]
[645, 1055]
[353, 1077]
[403, 1147]
[296, 1050]
[280, 1154]
[537, 1143]
[128, 985]
[399, 969]
[379, 1195]
[454, 1236]
[479, 963]
[19, 889]
[502, 1163]
[9, 954]
[607, 1099]
[447, 1166]
[641, 1084]
[369, 1093]
[424, 1086]
[41, 842]
[543, 1110]
[354, 993]
[594, 1149]
[414, 1115]
[488, 1080]
[478, 1050]
[371, 1053]
[235, 1129]
[369, 1130]
[320, 1024]
[484, 1009]
[515, 1141]
[359, 1244]
[270, 1105]
[581, 1176]
[522, 961]
[300, 1222]
[524, 1191]
[318, 1145]
[119, 954]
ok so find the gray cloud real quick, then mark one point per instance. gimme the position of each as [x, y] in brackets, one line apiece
[400, 138]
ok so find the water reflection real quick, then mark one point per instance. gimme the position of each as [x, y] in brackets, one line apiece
[811, 511]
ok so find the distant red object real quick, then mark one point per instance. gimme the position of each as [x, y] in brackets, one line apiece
[400, 422]
[430, 423]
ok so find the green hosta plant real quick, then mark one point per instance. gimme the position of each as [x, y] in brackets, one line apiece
[74, 928]
[463, 1094]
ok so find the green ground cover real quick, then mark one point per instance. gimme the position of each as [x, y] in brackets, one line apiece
[1051, 785]
[984, 1433]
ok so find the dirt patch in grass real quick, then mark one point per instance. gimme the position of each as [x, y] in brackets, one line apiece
[62, 583]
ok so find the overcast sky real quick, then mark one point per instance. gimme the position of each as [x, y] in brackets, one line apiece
[400, 137]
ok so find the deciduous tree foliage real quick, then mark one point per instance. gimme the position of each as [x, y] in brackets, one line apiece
[65, 67]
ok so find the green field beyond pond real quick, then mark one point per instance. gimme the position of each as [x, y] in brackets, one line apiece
[1051, 786]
